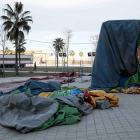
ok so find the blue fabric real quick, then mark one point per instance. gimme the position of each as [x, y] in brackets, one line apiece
[123, 80]
[115, 53]
[75, 91]
[37, 87]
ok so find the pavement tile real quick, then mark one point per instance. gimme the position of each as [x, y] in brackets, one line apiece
[121, 123]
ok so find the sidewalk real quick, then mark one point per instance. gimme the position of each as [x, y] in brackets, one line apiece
[118, 123]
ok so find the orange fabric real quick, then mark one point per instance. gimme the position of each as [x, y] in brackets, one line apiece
[99, 98]
[98, 93]
[114, 103]
[93, 102]
[83, 89]
[112, 97]
[114, 90]
[71, 87]
[133, 90]
[101, 95]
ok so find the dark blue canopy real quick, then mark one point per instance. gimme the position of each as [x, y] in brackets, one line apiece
[116, 52]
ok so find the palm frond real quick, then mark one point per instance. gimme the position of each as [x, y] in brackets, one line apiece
[7, 25]
[21, 36]
[9, 13]
[9, 7]
[18, 7]
[8, 22]
[27, 28]
[21, 24]
[5, 18]
[25, 13]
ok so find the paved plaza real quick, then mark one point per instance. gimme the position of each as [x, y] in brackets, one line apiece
[117, 123]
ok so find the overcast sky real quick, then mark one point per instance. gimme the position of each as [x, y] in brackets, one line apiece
[83, 17]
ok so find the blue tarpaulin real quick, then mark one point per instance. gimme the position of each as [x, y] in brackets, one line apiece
[116, 52]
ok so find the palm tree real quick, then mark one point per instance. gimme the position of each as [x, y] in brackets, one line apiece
[58, 45]
[15, 23]
[21, 48]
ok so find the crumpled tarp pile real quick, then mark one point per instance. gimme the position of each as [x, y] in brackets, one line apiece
[36, 105]
[117, 59]
[92, 96]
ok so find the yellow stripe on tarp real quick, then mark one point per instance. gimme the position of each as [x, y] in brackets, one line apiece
[138, 56]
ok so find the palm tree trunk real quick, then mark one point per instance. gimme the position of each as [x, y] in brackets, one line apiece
[57, 59]
[19, 56]
[16, 67]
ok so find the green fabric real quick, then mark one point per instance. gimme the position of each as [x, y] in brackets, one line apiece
[65, 88]
[59, 93]
[28, 90]
[65, 115]
[134, 79]
[15, 92]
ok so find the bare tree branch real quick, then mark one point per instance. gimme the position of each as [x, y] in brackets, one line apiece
[94, 40]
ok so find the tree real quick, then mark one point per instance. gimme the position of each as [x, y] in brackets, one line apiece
[15, 23]
[80, 54]
[21, 48]
[94, 40]
[32, 53]
[6, 50]
[68, 35]
[72, 53]
[58, 45]
[3, 41]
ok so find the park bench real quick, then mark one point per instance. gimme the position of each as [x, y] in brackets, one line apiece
[2, 73]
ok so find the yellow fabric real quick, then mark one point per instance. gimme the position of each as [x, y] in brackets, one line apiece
[138, 56]
[114, 90]
[83, 89]
[93, 102]
[112, 97]
[45, 94]
[99, 98]
[133, 90]
[98, 93]
[114, 103]
[71, 87]
[101, 95]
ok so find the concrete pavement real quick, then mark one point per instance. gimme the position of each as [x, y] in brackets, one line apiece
[118, 123]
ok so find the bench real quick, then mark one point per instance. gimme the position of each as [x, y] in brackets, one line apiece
[2, 73]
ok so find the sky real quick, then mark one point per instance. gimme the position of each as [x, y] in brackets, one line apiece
[84, 17]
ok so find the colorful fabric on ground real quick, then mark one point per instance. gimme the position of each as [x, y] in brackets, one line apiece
[64, 115]
[75, 91]
[134, 79]
[77, 101]
[97, 93]
[45, 94]
[59, 93]
[66, 88]
[15, 92]
[100, 95]
[131, 90]
[114, 100]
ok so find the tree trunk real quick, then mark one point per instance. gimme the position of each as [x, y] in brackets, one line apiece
[16, 66]
[19, 56]
[3, 61]
[57, 59]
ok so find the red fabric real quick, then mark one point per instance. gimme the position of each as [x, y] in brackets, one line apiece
[87, 95]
